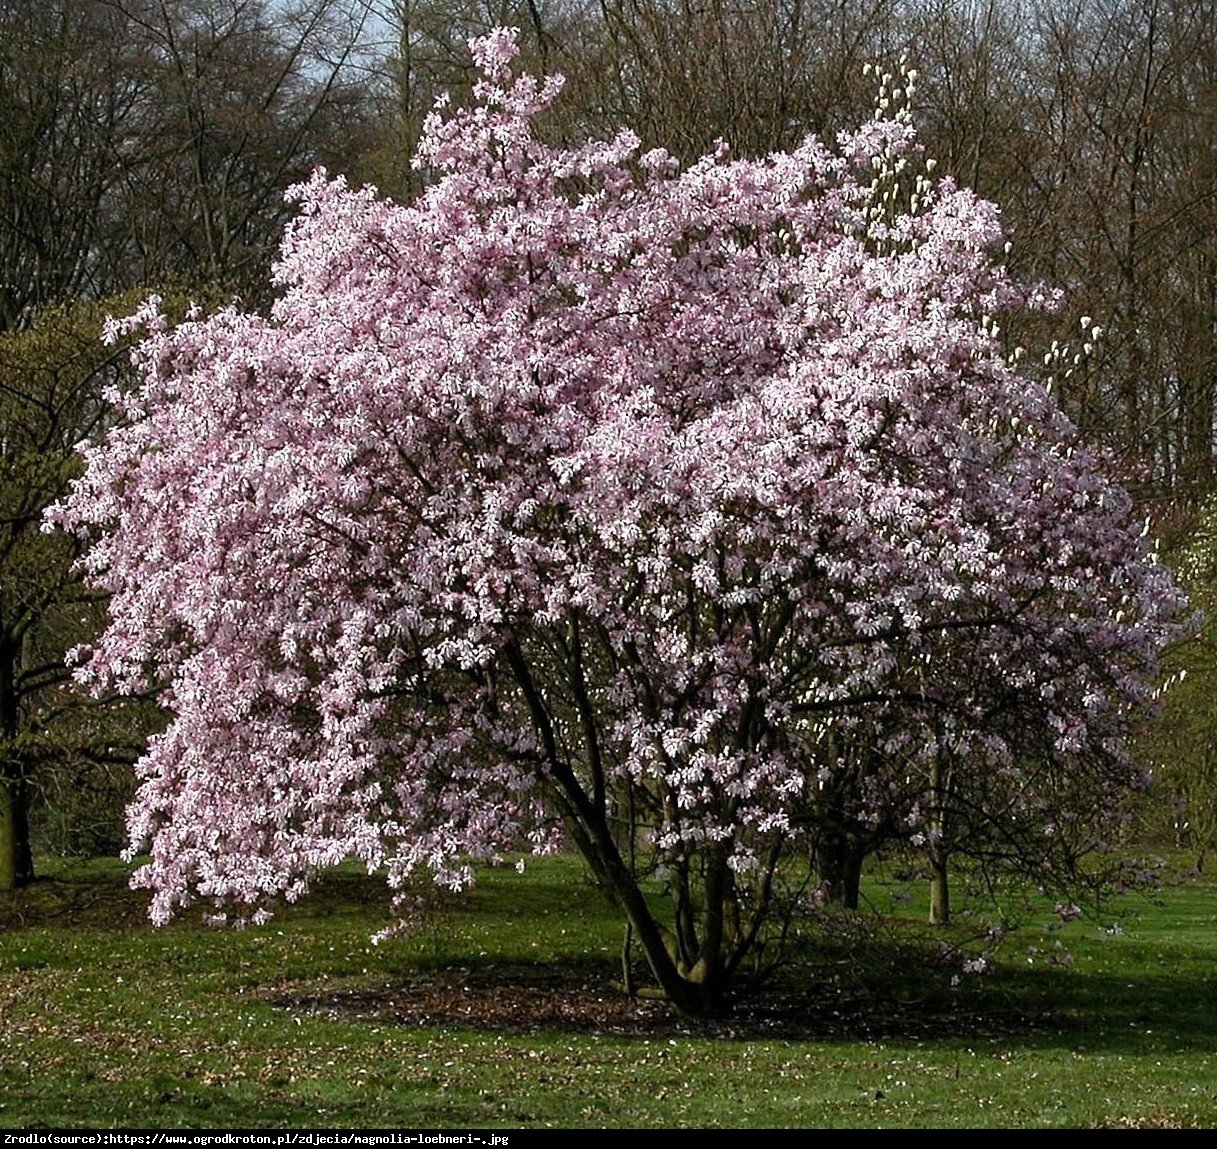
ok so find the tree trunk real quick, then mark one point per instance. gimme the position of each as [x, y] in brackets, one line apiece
[696, 992]
[940, 892]
[8, 836]
[839, 858]
[16, 858]
[692, 979]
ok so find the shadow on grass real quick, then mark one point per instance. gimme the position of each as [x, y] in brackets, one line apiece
[884, 986]
[97, 896]
[1069, 1008]
[81, 896]
[1117, 1012]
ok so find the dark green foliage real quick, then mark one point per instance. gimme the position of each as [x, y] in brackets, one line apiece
[60, 750]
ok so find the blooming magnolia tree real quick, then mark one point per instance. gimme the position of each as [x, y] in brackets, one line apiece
[589, 498]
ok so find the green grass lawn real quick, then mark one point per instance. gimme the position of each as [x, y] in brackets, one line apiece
[105, 1021]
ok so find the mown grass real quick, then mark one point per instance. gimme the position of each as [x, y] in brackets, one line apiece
[106, 1022]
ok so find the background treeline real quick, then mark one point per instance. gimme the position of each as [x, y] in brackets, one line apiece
[145, 146]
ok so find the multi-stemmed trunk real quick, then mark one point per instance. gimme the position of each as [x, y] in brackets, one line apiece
[690, 961]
